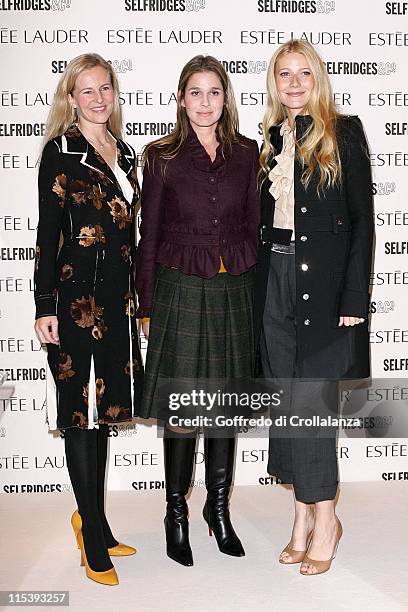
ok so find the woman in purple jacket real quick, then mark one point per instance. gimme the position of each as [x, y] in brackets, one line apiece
[194, 278]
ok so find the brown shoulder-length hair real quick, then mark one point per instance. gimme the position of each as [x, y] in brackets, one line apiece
[62, 115]
[318, 150]
[169, 146]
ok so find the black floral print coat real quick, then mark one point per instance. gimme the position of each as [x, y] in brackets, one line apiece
[87, 281]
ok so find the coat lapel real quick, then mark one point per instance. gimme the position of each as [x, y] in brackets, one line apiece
[74, 143]
[127, 162]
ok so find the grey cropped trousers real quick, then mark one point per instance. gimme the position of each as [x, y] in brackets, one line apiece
[303, 456]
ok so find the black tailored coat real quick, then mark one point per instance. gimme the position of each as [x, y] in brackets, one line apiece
[88, 281]
[333, 252]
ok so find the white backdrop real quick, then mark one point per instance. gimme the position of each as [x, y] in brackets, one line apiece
[148, 42]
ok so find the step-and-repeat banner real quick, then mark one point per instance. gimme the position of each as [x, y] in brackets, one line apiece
[364, 45]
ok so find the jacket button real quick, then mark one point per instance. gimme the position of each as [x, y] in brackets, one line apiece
[223, 241]
[303, 238]
[306, 321]
[304, 267]
[305, 296]
[303, 209]
[215, 221]
[211, 179]
[213, 198]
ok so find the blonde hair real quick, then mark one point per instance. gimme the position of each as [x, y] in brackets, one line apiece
[62, 115]
[318, 150]
[171, 144]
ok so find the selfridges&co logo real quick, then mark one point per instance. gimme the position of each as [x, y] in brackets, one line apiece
[37, 488]
[394, 476]
[34, 5]
[122, 431]
[120, 66]
[269, 480]
[17, 253]
[386, 188]
[245, 66]
[168, 6]
[396, 8]
[23, 374]
[395, 247]
[357, 68]
[148, 128]
[296, 6]
[148, 485]
[382, 307]
[396, 128]
[15, 130]
[395, 364]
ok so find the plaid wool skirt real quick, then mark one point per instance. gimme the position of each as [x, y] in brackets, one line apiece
[199, 328]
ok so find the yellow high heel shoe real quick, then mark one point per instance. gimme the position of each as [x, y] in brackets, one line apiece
[297, 556]
[109, 577]
[323, 566]
[120, 550]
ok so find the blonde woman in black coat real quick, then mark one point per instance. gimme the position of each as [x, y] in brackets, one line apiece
[311, 294]
[85, 306]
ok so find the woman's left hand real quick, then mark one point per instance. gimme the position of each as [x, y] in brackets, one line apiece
[347, 321]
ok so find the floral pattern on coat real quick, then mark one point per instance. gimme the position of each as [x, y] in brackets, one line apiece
[84, 281]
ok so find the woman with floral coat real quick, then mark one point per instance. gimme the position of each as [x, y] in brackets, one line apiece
[84, 295]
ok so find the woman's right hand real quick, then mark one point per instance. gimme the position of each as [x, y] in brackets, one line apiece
[46, 329]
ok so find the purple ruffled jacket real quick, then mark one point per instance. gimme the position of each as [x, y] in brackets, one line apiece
[197, 212]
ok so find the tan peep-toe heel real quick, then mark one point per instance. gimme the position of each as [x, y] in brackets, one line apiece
[323, 566]
[297, 556]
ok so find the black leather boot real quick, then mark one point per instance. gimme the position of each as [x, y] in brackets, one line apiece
[178, 466]
[219, 456]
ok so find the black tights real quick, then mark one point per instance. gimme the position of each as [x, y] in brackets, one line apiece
[86, 454]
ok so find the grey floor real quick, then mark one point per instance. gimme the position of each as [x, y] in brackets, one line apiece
[369, 572]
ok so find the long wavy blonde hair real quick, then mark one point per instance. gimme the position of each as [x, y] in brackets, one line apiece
[318, 150]
[171, 144]
[62, 115]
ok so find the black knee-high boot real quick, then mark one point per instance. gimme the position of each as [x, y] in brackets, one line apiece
[219, 454]
[178, 466]
[82, 463]
[102, 437]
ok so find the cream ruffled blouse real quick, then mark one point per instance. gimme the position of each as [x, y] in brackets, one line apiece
[281, 177]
